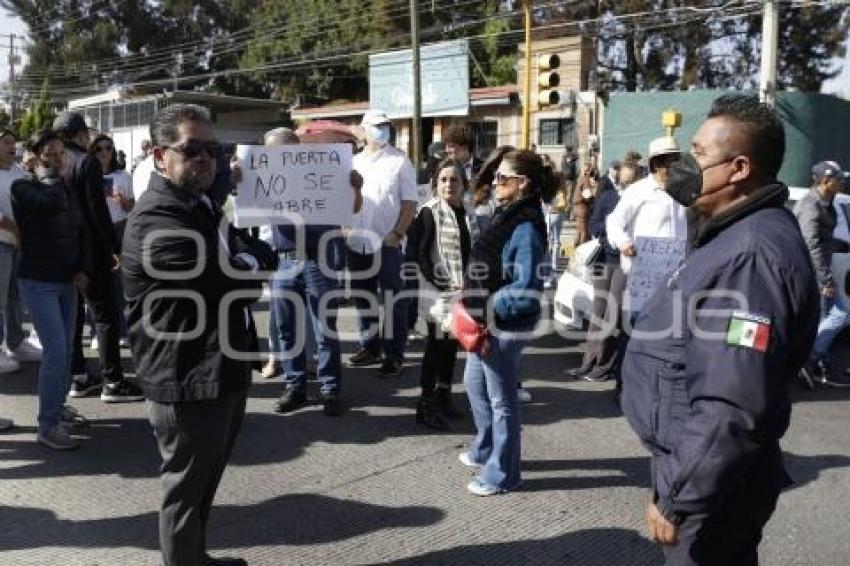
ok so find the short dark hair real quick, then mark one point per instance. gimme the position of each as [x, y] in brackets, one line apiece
[41, 138]
[459, 134]
[765, 134]
[165, 123]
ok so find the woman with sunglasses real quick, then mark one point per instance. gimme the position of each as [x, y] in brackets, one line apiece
[52, 259]
[440, 241]
[502, 289]
[118, 191]
[117, 184]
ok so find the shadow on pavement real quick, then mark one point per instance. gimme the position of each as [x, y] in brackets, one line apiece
[298, 519]
[613, 472]
[589, 547]
[806, 469]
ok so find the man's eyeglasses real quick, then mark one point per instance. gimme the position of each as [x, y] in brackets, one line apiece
[192, 149]
[500, 178]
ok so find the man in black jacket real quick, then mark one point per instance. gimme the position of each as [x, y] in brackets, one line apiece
[601, 353]
[707, 371]
[189, 284]
[84, 178]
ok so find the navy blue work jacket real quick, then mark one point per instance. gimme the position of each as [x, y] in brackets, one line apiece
[707, 370]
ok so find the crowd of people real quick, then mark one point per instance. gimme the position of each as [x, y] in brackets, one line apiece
[143, 255]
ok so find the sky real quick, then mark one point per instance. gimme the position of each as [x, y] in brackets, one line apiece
[11, 24]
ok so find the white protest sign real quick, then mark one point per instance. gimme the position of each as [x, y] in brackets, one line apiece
[656, 259]
[294, 184]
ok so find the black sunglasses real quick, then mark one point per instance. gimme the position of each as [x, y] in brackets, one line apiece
[192, 149]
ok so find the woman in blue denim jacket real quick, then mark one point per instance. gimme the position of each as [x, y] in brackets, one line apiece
[502, 290]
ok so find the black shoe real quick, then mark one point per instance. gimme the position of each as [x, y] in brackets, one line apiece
[331, 405]
[829, 380]
[364, 357]
[390, 368]
[426, 414]
[224, 561]
[121, 392]
[579, 372]
[595, 376]
[84, 384]
[809, 375]
[446, 406]
[291, 399]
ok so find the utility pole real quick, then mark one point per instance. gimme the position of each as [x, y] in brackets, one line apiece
[12, 61]
[526, 103]
[769, 52]
[415, 135]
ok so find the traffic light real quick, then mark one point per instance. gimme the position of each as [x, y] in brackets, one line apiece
[548, 79]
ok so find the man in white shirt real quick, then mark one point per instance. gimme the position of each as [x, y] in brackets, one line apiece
[389, 205]
[11, 309]
[646, 209]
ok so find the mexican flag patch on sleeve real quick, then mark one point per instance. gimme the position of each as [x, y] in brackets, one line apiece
[748, 330]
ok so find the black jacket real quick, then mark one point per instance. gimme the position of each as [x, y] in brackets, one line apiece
[184, 258]
[51, 228]
[84, 179]
[606, 202]
[707, 371]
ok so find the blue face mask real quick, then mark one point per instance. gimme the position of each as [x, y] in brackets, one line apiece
[378, 134]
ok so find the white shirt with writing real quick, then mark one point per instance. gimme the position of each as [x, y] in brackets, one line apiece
[388, 179]
[644, 209]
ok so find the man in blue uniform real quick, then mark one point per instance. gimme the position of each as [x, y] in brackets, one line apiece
[706, 373]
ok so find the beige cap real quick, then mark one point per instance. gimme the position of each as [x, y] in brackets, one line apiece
[663, 146]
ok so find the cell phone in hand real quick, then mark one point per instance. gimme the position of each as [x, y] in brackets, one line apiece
[108, 186]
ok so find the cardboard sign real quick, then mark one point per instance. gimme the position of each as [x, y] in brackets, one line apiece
[655, 261]
[294, 184]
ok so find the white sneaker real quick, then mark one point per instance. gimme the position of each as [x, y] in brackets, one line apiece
[94, 344]
[26, 352]
[7, 364]
[523, 395]
[467, 460]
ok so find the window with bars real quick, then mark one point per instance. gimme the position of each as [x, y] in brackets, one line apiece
[486, 135]
[558, 131]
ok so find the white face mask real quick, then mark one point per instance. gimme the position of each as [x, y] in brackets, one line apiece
[378, 134]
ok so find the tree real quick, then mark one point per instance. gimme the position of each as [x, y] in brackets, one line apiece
[39, 115]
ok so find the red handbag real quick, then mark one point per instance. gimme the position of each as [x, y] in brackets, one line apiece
[470, 334]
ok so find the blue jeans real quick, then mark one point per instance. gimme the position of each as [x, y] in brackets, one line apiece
[53, 308]
[275, 342]
[11, 310]
[304, 278]
[833, 319]
[390, 281]
[491, 385]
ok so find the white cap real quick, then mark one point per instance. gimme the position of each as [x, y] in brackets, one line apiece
[663, 146]
[375, 118]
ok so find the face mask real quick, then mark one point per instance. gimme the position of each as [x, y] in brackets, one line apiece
[378, 134]
[684, 180]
